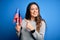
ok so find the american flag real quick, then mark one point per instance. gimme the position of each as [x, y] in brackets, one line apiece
[17, 17]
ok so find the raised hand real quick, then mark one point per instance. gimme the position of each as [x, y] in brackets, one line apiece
[29, 26]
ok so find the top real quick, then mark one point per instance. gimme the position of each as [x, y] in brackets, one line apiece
[25, 34]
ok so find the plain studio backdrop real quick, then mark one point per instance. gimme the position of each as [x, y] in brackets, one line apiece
[49, 9]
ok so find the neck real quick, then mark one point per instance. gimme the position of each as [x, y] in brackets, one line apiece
[32, 18]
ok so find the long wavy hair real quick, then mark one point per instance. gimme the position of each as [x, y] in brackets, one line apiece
[38, 19]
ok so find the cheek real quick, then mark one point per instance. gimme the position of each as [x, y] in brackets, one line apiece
[32, 11]
[36, 13]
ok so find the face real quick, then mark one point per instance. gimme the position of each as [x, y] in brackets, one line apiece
[33, 10]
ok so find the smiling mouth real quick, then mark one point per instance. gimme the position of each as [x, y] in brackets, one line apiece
[35, 13]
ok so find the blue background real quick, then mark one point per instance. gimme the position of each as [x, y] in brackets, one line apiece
[50, 11]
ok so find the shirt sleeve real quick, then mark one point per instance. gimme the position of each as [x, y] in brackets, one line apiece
[19, 33]
[40, 35]
[22, 25]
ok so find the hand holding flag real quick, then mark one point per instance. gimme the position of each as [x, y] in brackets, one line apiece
[18, 20]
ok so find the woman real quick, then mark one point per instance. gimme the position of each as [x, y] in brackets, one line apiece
[33, 26]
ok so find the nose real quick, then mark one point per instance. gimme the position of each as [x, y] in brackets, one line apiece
[35, 10]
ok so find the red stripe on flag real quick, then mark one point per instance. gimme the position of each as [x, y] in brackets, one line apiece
[16, 17]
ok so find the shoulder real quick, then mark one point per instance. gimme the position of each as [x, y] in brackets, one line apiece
[43, 26]
[23, 24]
[24, 20]
[43, 22]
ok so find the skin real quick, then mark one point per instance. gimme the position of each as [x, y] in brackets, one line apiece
[34, 13]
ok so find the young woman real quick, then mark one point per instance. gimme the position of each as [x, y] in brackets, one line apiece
[33, 26]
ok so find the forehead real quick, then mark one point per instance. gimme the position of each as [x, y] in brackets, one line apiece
[33, 6]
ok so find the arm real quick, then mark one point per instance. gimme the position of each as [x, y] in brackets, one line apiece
[40, 35]
[19, 33]
[18, 29]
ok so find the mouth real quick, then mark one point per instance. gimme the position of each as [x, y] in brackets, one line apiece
[35, 13]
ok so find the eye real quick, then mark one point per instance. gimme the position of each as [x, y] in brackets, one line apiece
[36, 8]
[32, 8]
